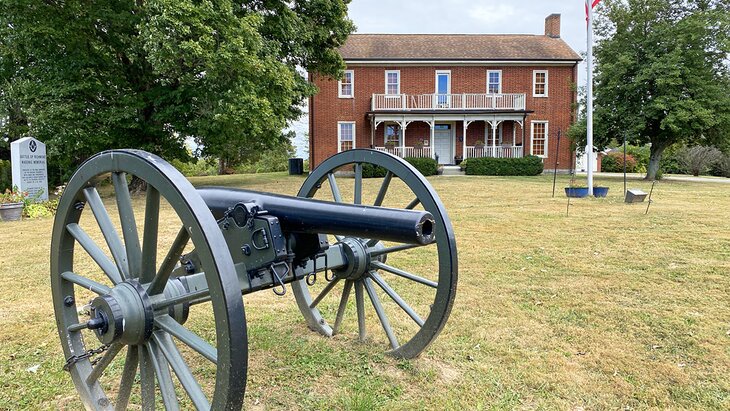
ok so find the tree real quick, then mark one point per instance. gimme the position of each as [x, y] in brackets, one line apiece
[662, 73]
[149, 75]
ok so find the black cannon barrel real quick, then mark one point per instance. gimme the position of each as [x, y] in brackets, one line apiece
[305, 215]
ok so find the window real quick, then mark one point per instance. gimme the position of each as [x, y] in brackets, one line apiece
[540, 83]
[494, 81]
[488, 135]
[345, 135]
[347, 85]
[392, 134]
[539, 139]
[392, 82]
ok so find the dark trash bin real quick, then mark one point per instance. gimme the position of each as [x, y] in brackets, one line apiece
[296, 166]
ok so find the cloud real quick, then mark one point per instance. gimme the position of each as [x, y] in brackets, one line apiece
[493, 13]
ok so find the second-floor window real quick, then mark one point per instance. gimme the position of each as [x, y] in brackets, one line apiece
[345, 135]
[540, 83]
[494, 81]
[347, 84]
[392, 82]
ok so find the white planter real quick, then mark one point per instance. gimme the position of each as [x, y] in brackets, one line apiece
[11, 211]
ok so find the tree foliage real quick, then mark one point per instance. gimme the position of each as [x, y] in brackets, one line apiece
[84, 77]
[662, 73]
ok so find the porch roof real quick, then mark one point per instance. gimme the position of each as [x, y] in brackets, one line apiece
[440, 113]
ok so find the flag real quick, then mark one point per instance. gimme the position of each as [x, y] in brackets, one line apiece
[594, 3]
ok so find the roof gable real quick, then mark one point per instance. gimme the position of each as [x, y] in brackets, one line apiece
[456, 47]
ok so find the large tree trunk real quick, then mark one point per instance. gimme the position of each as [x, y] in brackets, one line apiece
[655, 158]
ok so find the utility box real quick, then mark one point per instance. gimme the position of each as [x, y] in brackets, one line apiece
[296, 166]
[635, 196]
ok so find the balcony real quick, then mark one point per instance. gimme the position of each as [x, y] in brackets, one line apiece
[494, 151]
[407, 151]
[446, 102]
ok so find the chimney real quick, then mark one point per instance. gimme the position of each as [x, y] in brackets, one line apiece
[552, 25]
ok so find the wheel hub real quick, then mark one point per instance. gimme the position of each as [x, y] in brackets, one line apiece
[125, 313]
[357, 256]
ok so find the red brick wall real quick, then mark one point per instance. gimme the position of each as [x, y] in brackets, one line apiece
[326, 109]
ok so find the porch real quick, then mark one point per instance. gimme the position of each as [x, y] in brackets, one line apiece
[450, 138]
[443, 102]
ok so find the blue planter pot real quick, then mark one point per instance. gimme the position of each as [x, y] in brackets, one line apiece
[576, 192]
[600, 191]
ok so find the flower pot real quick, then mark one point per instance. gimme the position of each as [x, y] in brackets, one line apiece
[576, 192]
[600, 191]
[11, 211]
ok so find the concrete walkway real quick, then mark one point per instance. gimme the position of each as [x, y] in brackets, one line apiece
[667, 177]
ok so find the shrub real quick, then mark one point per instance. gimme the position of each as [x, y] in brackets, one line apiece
[42, 209]
[372, 171]
[699, 159]
[721, 167]
[614, 163]
[670, 160]
[487, 166]
[426, 166]
[199, 167]
[6, 175]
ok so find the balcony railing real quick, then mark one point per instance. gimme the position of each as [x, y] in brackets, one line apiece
[407, 151]
[408, 102]
[494, 151]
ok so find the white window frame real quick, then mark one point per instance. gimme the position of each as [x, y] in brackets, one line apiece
[398, 134]
[436, 81]
[352, 85]
[397, 72]
[339, 134]
[488, 134]
[532, 137]
[534, 82]
[499, 91]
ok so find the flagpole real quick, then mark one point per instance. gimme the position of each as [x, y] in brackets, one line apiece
[589, 99]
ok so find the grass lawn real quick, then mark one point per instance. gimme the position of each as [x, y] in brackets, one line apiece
[605, 309]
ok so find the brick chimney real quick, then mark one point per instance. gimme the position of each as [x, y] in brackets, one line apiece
[552, 25]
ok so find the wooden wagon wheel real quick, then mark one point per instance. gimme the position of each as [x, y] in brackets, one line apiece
[139, 307]
[438, 287]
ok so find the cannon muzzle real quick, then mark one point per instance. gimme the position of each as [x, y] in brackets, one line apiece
[305, 215]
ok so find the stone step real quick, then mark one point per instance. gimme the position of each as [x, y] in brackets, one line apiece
[452, 171]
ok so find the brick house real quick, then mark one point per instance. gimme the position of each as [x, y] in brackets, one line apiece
[420, 94]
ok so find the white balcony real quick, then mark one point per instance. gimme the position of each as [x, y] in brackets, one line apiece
[445, 102]
[407, 151]
[494, 151]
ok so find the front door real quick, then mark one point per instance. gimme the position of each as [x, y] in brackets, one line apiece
[443, 143]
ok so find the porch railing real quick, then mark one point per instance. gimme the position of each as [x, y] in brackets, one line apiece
[407, 151]
[494, 151]
[467, 101]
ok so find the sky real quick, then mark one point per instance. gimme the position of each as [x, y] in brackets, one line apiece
[464, 16]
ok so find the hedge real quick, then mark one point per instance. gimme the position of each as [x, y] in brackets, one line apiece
[372, 171]
[614, 163]
[426, 166]
[487, 166]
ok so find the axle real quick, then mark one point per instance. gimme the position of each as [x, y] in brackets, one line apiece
[304, 215]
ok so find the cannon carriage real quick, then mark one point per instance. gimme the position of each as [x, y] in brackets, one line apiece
[136, 296]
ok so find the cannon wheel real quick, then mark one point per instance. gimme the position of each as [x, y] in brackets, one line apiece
[429, 327]
[150, 328]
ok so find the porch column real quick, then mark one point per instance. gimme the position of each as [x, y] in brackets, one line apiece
[463, 140]
[403, 138]
[372, 132]
[433, 139]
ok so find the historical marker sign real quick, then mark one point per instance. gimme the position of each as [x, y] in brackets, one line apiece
[28, 160]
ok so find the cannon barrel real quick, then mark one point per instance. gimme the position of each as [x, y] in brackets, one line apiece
[305, 215]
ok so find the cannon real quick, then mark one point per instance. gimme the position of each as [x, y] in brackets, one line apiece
[139, 281]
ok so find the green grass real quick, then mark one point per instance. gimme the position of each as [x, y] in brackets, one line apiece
[607, 308]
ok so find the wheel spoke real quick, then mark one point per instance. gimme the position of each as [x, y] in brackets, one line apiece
[164, 378]
[381, 313]
[335, 189]
[147, 379]
[108, 230]
[360, 304]
[103, 363]
[129, 225]
[186, 378]
[376, 253]
[128, 374]
[404, 274]
[84, 282]
[358, 183]
[413, 204]
[383, 189]
[398, 300]
[95, 252]
[324, 292]
[149, 245]
[188, 338]
[172, 258]
[343, 305]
